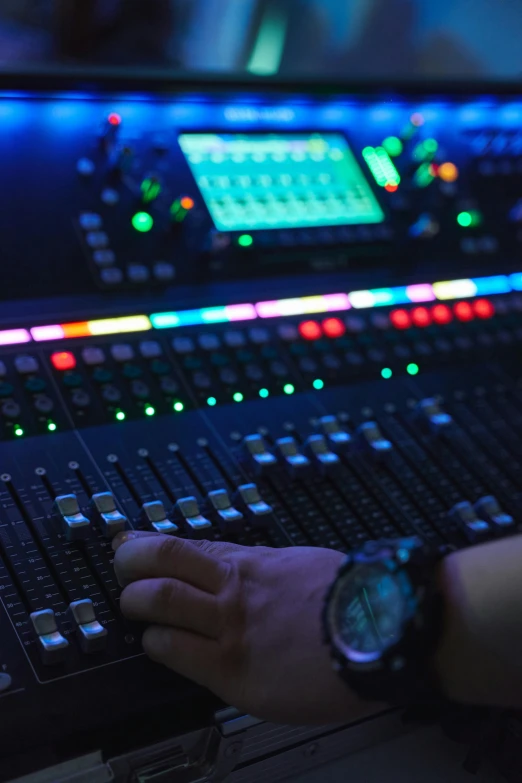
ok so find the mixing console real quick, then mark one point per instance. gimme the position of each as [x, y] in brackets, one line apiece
[215, 323]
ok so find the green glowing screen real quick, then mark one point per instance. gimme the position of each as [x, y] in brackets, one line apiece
[261, 181]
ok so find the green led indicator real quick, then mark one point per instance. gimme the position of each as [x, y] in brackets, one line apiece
[143, 222]
[120, 416]
[412, 369]
[150, 189]
[18, 432]
[52, 426]
[178, 407]
[318, 384]
[386, 373]
[431, 146]
[212, 402]
[264, 393]
[245, 240]
[150, 411]
[238, 397]
[469, 219]
[393, 146]
[288, 388]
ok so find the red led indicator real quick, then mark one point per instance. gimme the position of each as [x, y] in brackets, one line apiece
[421, 317]
[63, 361]
[464, 311]
[400, 319]
[391, 187]
[483, 308]
[187, 203]
[114, 119]
[442, 314]
[310, 330]
[334, 327]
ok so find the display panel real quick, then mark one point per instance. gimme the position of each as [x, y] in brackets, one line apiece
[280, 181]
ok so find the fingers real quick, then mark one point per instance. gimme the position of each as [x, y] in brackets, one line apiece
[170, 602]
[168, 556]
[191, 656]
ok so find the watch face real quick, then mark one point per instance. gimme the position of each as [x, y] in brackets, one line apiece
[368, 611]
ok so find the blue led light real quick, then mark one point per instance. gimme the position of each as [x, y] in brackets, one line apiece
[497, 284]
[214, 315]
[164, 320]
[516, 281]
[383, 296]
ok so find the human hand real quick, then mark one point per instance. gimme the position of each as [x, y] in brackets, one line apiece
[243, 622]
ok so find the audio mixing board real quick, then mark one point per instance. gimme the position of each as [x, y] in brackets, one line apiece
[255, 313]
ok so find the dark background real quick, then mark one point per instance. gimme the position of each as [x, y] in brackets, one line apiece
[478, 39]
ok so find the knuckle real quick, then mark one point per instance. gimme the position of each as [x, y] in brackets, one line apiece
[165, 594]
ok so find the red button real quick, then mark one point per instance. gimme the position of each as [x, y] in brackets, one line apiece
[421, 317]
[310, 330]
[400, 319]
[442, 314]
[464, 311]
[63, 361]
[484, 308]
[334, 327]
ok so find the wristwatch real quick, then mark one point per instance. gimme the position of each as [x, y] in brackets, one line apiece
[383, 619]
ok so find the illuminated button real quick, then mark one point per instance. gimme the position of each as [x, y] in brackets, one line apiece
[465, 516]
[93, 356]
[339, 439]
[483, 308]
[288, 332]
[310, 330]
[63, 361]
[97, 240]
[164, 271]
[371, 438]
[229, 377]
[209, 342]
[259, 513]
[254, 372]
[140, 390]
[229, 519]
[35, 385]
[421, 317]
[356, 324]
[106, 515]
[187, 510]
[318, 449]
[489, 509]
[3, 370]
[259, 336]
[442, 314]
[333, 328]
[111, 394]
[464, 311]
[26, 365]
[111, 276]
[291, 455]
[104, 258]
[183, 345]
[235, 339]
[154, 516]
[138, 273]
[150, 349]
[431, 413]
[10, 410]
[92, 636]
[201, 380]
[43, 404]
[80, 399]
[122, 352]
[169, 386]
[401, 319]
[257, 452]
[52, 645]
[90, 221]
[74, 524]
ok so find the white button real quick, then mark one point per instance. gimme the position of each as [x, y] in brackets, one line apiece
[97, 239]
[183, 345]
[288, 332]
[235, 339]
[164, 271]
[111, 276]
[3, 370]
[104, 257]
[110, 197]
[122, 352]
[150, 349]
[209, 342]
[137, 273]
[93, 356]
[26, 365]
[90, 221]
[259, 336]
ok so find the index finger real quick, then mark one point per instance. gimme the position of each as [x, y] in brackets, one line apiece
[167, 556]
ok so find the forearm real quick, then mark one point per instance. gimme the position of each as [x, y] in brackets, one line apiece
[480, 657]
